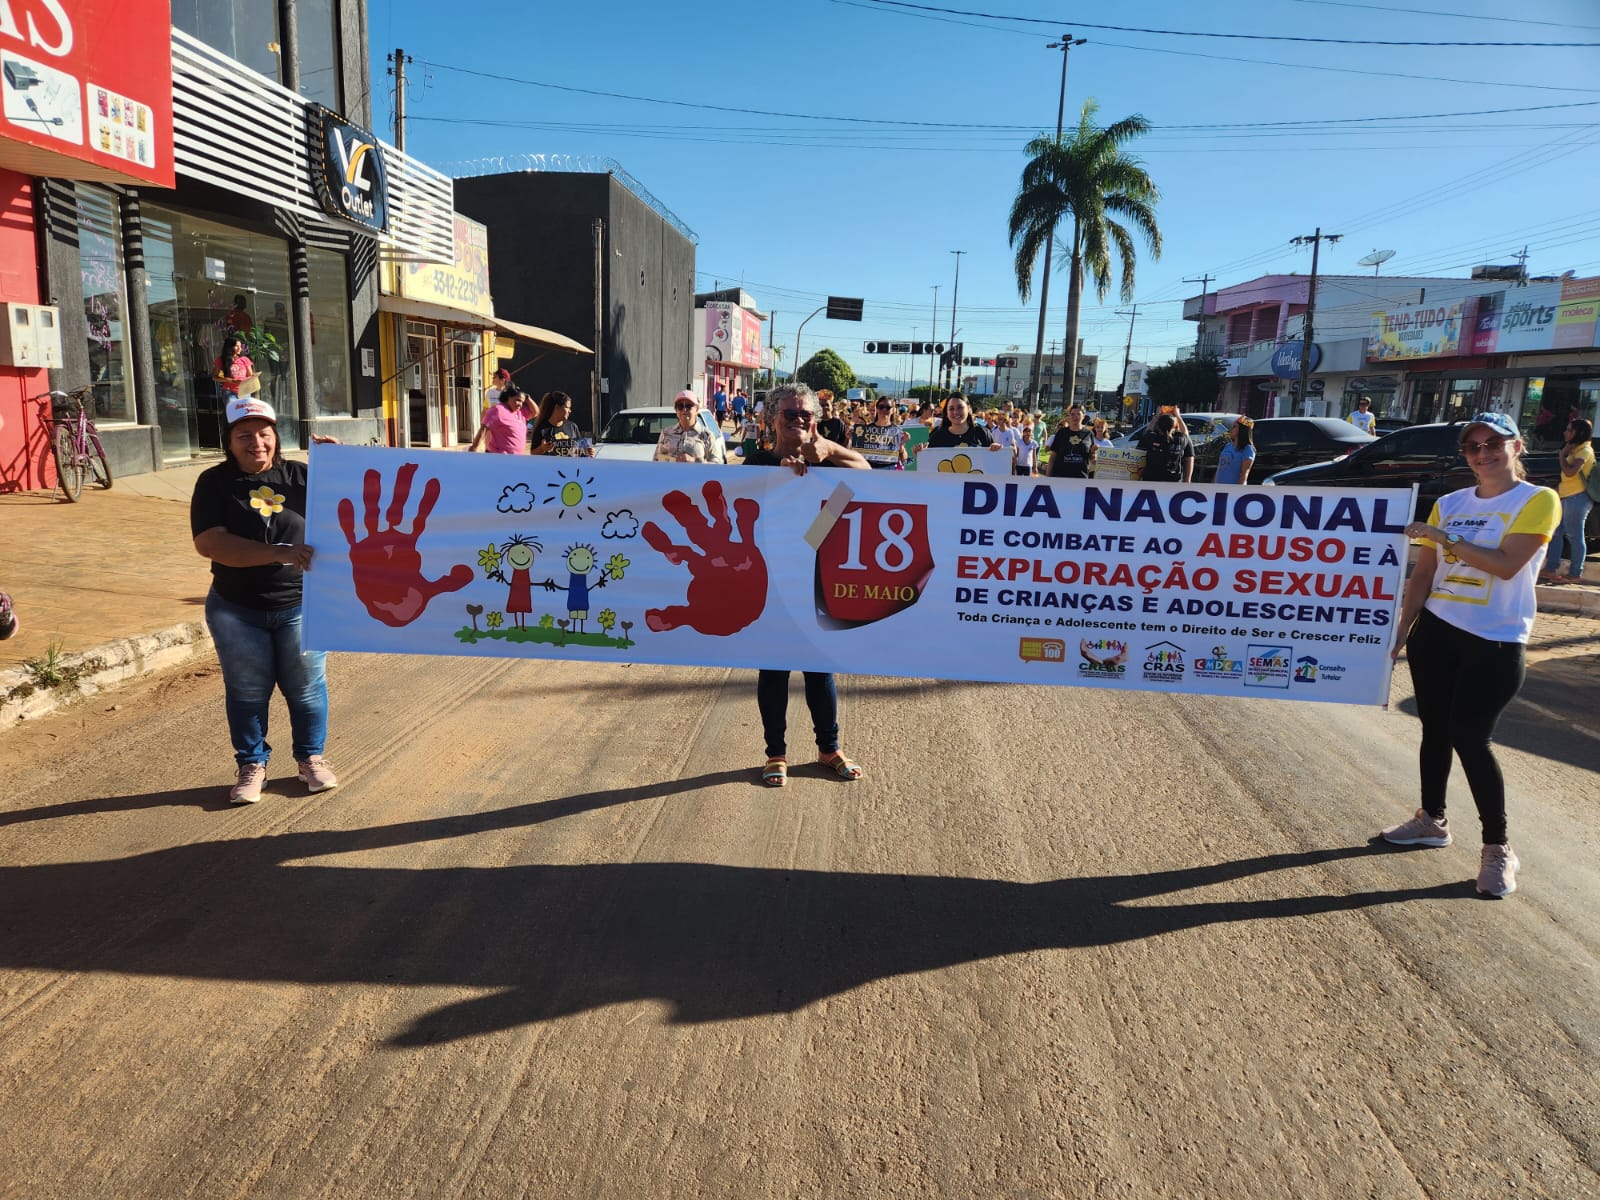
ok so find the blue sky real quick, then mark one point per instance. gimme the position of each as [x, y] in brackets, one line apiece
[800, 208]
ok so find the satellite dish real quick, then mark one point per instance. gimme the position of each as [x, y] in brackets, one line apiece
[1375, 260]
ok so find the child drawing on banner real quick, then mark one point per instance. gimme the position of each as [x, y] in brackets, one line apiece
[518, 555]
[580, 562]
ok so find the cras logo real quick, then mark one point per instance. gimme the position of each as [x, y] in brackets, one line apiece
[1219, 664]
[1163, 663]
[1102, 656]
[1267, 667]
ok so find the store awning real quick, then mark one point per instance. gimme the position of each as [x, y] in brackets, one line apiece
[442, 313]
[541, 337]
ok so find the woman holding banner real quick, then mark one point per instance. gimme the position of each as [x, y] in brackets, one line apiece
[1467, 614]
[796, 444]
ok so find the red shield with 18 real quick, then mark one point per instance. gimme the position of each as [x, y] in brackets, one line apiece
[872, 563]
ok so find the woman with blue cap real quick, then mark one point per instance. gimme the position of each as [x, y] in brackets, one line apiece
[1464, 623]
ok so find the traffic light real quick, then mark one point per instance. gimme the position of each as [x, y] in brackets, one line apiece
[870, 347]
[1007, 361]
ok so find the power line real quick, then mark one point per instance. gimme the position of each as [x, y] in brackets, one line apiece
[1389, 10]
[1052, 22]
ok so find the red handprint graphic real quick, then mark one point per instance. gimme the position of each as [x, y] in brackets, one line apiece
[728, 582]
[385, 566]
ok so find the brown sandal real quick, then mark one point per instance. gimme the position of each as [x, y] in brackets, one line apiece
[775, 773]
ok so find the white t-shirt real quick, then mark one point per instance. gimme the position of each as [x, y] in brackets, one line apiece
[1499, 610]
[1010, 439]
[1364, 421]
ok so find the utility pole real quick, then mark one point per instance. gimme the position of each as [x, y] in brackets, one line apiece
[1127, 353]
[1522, 263]
[597, 367]
[955, 294]
[1200, 332]
[1316, 239]
[772, 348]
[933, 332]
[401, 58]
[1064, 45]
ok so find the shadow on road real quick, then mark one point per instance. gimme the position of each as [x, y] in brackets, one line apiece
[711, 942]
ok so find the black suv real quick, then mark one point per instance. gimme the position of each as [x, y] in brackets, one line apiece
[1284, 442]
[1428, 456]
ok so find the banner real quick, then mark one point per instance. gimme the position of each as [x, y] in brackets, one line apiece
[1416, 331]
[1280, 592]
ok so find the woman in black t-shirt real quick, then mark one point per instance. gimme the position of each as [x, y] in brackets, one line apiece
[958, 428]
[1168, 452]
[556, 432]
[248, 516]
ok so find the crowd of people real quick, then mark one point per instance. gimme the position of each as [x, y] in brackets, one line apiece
[1465, 618]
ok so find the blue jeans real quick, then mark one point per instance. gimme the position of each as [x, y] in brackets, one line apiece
[1574, 512]
[259, 649]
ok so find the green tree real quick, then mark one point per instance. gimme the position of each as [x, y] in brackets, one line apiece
[825, 369]
[1088, 176]
[1191, 384]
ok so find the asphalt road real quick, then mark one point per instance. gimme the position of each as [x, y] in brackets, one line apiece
[550, 938]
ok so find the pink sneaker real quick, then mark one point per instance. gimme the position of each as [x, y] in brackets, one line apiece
[1421, 830]
[8, 618]
[316, 774]
[1497, 871]
[248, 789]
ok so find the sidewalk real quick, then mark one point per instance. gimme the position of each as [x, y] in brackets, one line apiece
[114, 585]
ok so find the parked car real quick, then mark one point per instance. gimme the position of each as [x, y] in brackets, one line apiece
[632, 433]
[1385, 425]
[1427, 456]
[1207, 430]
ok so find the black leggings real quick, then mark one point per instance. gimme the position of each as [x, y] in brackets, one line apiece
[1463, 683]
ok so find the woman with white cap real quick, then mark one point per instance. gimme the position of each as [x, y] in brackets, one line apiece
[689, 441]
[1466, 617]
[248, 516]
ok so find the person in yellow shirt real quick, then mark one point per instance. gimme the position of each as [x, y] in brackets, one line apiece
[1464, 623]
[1577, 463]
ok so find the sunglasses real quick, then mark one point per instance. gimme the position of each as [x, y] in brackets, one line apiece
[801, 415]
[883, 408]
[683, 405]
[1491, 444]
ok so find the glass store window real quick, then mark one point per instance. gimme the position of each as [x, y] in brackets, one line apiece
[330, 334]
[208, 280]
[319, 52]
[244, 30]
[104, 302]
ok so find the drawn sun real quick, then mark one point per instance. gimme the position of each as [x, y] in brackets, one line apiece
[572, 493]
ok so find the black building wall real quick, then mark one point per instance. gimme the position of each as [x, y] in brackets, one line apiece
[541, 264]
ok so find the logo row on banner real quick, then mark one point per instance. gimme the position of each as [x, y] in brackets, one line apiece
[1276, 592]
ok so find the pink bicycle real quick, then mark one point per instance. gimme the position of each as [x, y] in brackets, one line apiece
[76, 441]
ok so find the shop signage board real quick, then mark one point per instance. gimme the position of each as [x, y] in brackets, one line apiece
[1576, 318]
[86, 89]
[1560, 314]
[1284, 593]
[347, 170]
[461, 284]
[1286, 359]
[1416, 331]
[732, 335]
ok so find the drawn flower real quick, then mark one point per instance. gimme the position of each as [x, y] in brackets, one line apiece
[489, 559]
[616, 564]
[959, 465]
[494, 620]
[608, 618]
[266, 502]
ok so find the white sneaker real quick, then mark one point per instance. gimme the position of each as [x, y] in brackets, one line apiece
[1497, 871]
[248, 789]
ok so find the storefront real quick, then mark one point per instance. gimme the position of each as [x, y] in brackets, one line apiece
[274, 227]
[731, 335]
[87, 95]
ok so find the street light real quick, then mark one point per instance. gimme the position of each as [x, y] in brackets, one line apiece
[1066, 43]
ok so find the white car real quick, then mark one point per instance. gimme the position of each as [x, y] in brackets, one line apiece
[632, 434]
[1203, 427]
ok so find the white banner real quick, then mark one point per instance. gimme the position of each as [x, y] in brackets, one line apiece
[1277, 592]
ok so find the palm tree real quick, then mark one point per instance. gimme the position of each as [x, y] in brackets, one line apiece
[1089, 176]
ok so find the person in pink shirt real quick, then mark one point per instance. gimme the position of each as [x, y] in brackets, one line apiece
[505, 423]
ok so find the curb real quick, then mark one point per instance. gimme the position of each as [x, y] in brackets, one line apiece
[88, 673]
[1573, 601]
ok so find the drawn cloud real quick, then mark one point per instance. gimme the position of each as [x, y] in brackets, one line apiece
[516, 498]
[620, 524]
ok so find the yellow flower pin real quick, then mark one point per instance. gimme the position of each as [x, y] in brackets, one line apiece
[266, 501]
